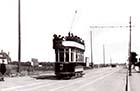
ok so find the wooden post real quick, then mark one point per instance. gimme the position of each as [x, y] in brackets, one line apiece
[19, 38]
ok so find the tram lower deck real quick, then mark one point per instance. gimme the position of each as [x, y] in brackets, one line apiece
[63, 69]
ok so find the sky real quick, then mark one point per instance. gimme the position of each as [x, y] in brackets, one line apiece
[40, 19]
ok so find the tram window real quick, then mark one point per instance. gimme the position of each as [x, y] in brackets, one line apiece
[82, 57]
[72, 53]
[71, 56]
[67, 55]
[56, 56]
[61, 50]
[79, 57]
[61, 56]
[76, 57]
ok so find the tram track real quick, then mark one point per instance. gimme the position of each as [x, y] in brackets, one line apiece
[89, 81]
[58, 85]
[67, 83]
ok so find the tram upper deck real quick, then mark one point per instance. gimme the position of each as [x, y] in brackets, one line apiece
[69, 48]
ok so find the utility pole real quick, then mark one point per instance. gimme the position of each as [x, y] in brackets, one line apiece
[130, 36]
[110, 61]
[129, 64]
[19, 37]
[130, 26]
[91, 48]
[104, 54]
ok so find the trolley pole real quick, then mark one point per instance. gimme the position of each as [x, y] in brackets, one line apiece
[91, 49]
[72, 23]
[19, 38]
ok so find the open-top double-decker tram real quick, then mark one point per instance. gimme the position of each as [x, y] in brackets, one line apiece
[69, 55]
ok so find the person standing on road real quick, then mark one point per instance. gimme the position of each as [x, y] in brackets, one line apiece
[132, 61]
[138, 64]
[2, 70]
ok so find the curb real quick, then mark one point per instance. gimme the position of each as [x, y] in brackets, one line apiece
[127, 88]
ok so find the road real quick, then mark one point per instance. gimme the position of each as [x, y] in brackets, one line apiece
[102, 79]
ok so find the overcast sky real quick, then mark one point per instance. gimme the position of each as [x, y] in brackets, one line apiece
[40, 19]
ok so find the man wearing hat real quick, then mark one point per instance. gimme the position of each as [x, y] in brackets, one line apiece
[2, 70]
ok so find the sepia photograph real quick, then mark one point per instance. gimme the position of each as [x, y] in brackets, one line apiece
[69, 45]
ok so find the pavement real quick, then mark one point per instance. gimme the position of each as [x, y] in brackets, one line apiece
[134, 81]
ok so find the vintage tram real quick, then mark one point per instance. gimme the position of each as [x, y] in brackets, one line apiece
[69, 55]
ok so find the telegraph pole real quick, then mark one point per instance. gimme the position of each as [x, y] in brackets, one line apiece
[130, 36]
[110, 61]
[19, 37]
[130, 26]
[104, 54]
[129, 64]
[91, 48]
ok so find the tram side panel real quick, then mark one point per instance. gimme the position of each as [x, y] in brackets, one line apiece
[69, 69]
[64, 69]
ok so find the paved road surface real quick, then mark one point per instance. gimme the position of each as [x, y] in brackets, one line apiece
[102, 79]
